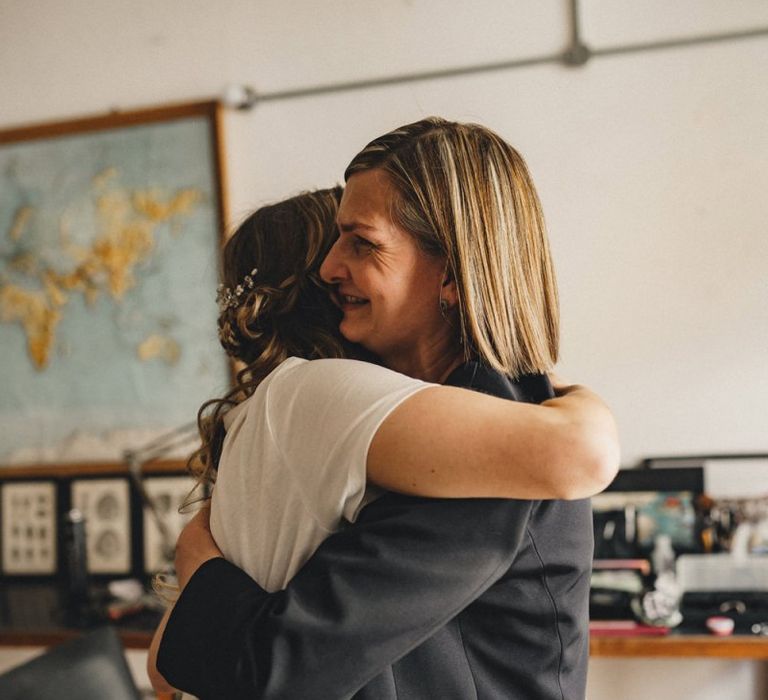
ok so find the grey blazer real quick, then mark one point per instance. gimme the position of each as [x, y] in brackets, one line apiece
[420, 599]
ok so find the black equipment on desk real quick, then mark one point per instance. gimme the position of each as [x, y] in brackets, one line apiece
[641, 504]
[745, 608]
[76, 558]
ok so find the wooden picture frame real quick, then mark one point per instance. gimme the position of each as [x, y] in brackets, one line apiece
[110, 233]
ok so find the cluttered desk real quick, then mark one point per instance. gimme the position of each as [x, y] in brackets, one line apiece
[81, 543]
[67, 590]
[41, 614]
[679, 571]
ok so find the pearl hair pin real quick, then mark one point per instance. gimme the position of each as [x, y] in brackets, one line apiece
[227, 298]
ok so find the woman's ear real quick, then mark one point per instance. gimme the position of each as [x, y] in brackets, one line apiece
[448, 292]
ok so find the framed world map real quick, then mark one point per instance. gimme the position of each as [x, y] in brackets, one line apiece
[110, 231]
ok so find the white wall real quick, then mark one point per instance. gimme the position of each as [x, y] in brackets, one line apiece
[653, 167]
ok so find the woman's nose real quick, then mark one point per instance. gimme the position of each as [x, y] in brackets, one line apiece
[333, 269]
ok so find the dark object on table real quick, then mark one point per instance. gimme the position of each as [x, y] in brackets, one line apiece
[610, 604]
[615, 533]
[76, 558]
[745, 608]
[641, 504]
[91, 667]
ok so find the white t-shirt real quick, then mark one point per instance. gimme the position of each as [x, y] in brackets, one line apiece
[293, 461]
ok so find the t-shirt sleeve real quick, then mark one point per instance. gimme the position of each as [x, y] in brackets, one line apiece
[322, 416]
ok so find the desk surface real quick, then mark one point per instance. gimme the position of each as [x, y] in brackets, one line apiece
[132, 639]
[29, 617]
[673, 645]
[34, 614]
[740, 646]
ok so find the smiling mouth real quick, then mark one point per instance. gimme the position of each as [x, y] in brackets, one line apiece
[349, 301]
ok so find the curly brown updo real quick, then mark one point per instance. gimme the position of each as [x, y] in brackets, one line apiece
[287, 312]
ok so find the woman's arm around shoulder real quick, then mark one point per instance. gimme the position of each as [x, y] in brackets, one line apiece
[448, 442]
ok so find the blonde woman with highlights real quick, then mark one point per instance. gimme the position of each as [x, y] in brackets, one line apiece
[441, 269]
[466, 195]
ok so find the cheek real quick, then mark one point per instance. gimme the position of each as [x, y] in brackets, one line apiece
[395, 294]
[412, 305]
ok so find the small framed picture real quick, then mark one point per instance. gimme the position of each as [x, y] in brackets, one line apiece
[29, 528]
[106, 507]
[168, 493]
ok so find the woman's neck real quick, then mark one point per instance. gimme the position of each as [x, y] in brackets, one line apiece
[430, 362]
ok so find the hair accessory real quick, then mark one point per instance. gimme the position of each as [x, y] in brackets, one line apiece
[228, 298]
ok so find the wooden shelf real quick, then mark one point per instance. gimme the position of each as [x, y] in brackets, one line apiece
[132, 639]
[71, 471]
[691, 646]
[680, 645]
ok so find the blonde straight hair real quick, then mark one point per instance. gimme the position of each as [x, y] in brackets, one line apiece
[466, 194]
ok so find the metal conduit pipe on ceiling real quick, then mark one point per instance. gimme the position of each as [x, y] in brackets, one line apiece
[576, 54]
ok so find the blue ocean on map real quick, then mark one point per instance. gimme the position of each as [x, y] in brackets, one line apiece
[133, 211]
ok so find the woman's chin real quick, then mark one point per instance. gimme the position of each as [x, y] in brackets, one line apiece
[353, 333]
[350, 332]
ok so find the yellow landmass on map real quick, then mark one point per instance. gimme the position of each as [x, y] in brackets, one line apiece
[100, 180]
[39, 320]
[126, 237]
[149, 202]
[19, 223]
[161, 347]
[107, 266]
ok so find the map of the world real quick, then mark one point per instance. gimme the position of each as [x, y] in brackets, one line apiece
[108, 263]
